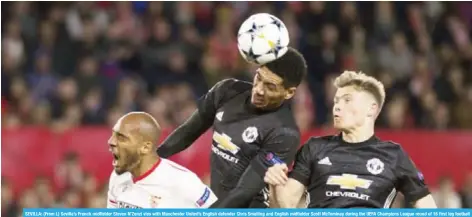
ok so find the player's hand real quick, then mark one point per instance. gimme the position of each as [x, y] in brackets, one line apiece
[276, 175]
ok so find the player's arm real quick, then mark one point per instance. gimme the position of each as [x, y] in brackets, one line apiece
[111, 198]
[199, 122]
[182, 137]
[272, 195]
[411, 183]
[426, 202]
[282, 146]
[289, 194]
[194, 190]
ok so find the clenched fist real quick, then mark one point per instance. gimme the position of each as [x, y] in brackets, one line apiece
[276, 175]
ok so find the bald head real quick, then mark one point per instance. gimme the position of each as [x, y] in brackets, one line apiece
[140, 126]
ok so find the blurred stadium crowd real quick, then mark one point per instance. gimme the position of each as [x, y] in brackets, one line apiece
[67, 64]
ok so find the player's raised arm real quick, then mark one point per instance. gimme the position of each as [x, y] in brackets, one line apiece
[199, 122]
[411, 183]
[281, 148]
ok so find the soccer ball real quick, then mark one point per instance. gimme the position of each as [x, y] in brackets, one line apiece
[262, 38]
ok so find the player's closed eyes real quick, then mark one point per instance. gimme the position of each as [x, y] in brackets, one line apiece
[267, 85]
[270, 86]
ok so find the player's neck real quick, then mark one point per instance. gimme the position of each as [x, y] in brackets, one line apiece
[146, 166]
[358, 135]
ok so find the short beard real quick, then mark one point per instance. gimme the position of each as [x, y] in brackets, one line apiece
[133, 161]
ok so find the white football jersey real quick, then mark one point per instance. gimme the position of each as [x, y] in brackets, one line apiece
[166, 185]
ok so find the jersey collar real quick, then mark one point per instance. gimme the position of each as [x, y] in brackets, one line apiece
[147, 173]
[370, 141]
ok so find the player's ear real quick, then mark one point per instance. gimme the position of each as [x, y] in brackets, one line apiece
[290, 92]
[373, 109]
[146, 148]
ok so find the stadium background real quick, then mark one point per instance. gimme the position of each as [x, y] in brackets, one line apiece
[69, 70]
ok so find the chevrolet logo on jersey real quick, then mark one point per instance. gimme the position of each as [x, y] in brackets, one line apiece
[224, 142]
[349, 181]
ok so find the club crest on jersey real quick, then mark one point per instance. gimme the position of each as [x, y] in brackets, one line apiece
[250, 134]
[375, 166]
[124, 188]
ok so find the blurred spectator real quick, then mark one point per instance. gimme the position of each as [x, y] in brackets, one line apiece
[303, 107]
[29, 199]
[66, 96]
[11, 121]
[158, 109]
[462, 117]
[12, 43]
[397, 56]
[125, 23]
[87, 76]
[223, 41]
[384, 24]
[93, 107]
[466, 192]
[9, 206]
[41, 114]
[85, 10]
[71, 199]
[69, 174]
[445, 196]
[396, 111]
[347, 20]
[42, 81]
[22, 12]
[97, 201]
[90, 186]
[357, 57]
[43, 190]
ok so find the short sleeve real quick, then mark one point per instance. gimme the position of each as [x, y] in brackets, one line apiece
[280, 146]
[194, 190]
[209, 103]
[410, 181]
[302, 168]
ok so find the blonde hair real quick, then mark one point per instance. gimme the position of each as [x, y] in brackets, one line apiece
[362, 82]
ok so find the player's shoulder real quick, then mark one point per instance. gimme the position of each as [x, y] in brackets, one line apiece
[317, 143]
[391, 146]
[231, 86]
[283, 117]
[176, 170]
